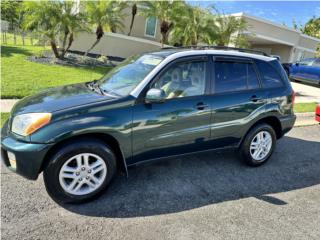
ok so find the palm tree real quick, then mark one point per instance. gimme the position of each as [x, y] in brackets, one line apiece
[71, 22]
[166, 12]
[105, 16]
[134, 10]
[192, 26]
[44, 17]
[227, 29]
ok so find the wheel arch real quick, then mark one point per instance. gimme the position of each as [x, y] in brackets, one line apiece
[104, 137]
[273, 121]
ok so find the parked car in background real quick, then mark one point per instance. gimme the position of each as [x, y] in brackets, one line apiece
[153, 106]
[306, 70]
[317, 115]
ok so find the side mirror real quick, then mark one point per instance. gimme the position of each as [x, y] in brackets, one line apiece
[155, 95]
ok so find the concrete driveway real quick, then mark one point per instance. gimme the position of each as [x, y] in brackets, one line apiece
[306, 93]
[208, 196]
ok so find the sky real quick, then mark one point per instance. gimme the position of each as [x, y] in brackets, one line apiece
[276, 11]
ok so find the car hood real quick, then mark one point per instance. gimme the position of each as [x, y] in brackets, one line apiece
[58, 98]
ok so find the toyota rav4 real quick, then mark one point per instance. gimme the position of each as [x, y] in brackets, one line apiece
[152, 106]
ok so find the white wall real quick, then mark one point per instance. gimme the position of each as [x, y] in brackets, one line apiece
[114, 44]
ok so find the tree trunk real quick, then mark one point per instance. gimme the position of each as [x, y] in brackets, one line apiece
[14, 37]
[165, 28]
[64, 41]
[99, 34]
[22, 37]
[54, 48]
[95, 43]
[133, 12]
[69, 45]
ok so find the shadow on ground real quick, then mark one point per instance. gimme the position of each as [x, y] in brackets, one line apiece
[182, 184]
[8, 51]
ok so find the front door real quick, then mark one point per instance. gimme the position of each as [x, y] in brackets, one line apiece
[180, 124]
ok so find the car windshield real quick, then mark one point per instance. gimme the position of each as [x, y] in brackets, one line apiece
[126, 76]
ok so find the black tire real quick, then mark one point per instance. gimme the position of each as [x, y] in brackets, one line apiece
[51, 172]
[244, 149]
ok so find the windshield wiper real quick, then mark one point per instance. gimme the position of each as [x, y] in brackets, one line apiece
[94, 86]
[111, 93]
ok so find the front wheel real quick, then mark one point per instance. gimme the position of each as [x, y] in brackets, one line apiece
[258, 145]
[79, 171]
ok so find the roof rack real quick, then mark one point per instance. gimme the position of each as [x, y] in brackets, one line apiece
[204, 47]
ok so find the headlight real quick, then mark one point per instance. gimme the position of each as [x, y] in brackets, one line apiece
[25, 124]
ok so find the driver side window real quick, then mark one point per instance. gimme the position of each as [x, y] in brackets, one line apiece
[183, 79]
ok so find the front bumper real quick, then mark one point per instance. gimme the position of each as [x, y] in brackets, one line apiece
[29, 156]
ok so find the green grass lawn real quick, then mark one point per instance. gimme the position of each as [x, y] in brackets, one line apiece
[304, 107]
[4, 117]
[20, 77]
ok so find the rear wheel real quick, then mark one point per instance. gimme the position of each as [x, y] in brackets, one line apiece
[80, 171]
[258, 145]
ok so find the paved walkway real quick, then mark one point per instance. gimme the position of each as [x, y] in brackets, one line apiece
[7, 104]
[304, 93]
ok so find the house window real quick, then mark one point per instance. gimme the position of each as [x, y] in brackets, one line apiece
[151, 26]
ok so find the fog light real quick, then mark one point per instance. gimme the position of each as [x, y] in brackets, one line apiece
[12, 160]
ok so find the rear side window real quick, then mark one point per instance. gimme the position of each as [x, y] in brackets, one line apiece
[269, 75]
[234, 76]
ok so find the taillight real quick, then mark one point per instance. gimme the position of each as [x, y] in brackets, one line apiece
[293, 97]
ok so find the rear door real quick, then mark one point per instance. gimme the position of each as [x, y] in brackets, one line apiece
[236, 98]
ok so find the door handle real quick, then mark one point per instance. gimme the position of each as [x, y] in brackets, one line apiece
[254, 98]
[201, 106]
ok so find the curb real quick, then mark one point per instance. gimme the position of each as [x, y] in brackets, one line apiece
[306, 114]
[305, 119]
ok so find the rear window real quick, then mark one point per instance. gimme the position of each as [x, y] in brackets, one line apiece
[270, 78]
[234, 76]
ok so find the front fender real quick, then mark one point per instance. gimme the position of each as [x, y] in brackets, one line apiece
[113, 122]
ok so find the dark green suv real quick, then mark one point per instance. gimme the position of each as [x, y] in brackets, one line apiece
[152, 106]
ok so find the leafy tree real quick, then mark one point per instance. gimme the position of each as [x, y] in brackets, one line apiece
[312, 28]
[10, 12]
[191, 27]
[166, 12]
[227, 29]
[105, 16]
[45, 18]
[13, 12]
[72, 22]
[51, 19]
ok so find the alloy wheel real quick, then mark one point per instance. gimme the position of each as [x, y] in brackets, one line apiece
[260, 145]
[82, 174]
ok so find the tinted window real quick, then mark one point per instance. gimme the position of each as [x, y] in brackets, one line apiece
[269, 75]
[306, 62]
[234, 76]
[252, 77]
[183, 79]
[316, 63]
